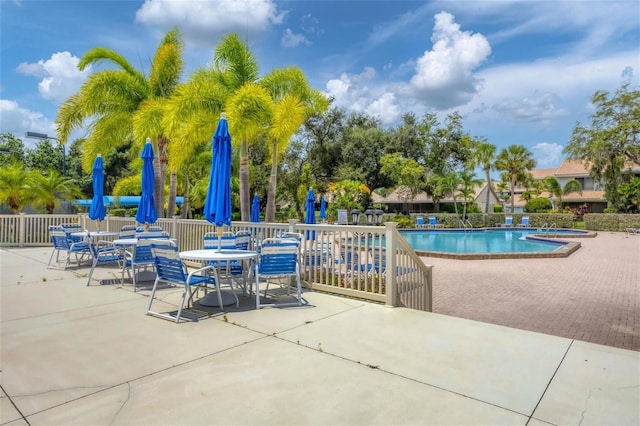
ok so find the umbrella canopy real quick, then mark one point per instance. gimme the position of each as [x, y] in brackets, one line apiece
[217, 206]
[255, 209]
[147, 207]
[310, 216]
[96, 211]
[323, 209]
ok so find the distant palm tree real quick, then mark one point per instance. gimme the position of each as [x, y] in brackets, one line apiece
[484, 156]
[14, 187]
[468, 182]
[559, 191]
[50, 188]
[515, 161]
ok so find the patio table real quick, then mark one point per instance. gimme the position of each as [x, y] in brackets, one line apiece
[214, 255]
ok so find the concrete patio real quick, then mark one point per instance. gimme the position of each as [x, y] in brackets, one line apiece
[73, 354]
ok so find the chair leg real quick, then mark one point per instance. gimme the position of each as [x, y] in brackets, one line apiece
[95, 261]
[55, 251]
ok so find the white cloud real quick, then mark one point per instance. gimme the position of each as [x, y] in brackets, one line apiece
[547, 155]
[539, 107]
[289, 39]
[356, 93]
[60, 77]
[18, 121]
[203, 22]
[444, 75]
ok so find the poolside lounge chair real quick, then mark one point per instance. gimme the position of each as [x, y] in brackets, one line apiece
[508, 222]
[63, 244]
[433, 222]
[420, 222]
[278, 261]
[524, 223]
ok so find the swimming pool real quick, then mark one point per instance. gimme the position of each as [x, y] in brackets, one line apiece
[489, 243]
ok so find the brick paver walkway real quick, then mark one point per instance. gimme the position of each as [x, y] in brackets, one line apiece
[593, 295]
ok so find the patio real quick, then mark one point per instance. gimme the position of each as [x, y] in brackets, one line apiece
[73, 354]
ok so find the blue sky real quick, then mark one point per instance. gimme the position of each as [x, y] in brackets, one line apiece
[519, 72]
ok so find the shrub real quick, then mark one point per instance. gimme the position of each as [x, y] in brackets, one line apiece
[497, 208]
[538, 205]
[403, 221]
[118, 212]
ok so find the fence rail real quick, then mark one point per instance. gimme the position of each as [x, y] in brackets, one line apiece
[369, 262]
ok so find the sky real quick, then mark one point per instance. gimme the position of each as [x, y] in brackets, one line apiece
[519, 72]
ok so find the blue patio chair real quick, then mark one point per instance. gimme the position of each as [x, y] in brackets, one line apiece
[508, 222]
[103, 255]
[420, 222]
[380, 264]
[433, 222]
[72, 228]
[278, 260]
[140, 259]
[62, 244]
[128, 231]
[524, 223]
[172, 271]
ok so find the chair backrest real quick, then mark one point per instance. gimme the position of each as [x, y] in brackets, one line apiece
[150, 228]
[152, 234]
[243, 238]
[226, 241]
[419, 220]
[525, 220]
[291, 236]
[127, 231]
[59, 239]
[432, 220]
[70, 228]
[278, 257]
[142, 250]
[169, 266]
[508, 220]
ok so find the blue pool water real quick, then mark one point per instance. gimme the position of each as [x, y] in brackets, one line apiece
[480, 241]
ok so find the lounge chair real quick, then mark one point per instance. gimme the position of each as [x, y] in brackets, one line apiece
[420, 222]
[524, 223]
[508, 222]
[433, 222]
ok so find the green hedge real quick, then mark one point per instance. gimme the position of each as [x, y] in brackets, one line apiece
[611, 221]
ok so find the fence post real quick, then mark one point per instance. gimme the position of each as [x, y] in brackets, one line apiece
[292, 224]
[391, 293]
[174, 225]
[22, 229]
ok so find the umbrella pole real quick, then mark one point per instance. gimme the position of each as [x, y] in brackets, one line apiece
[219, 232]
[98, 226]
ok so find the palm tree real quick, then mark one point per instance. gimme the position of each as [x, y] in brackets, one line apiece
[14, 187]
[48, 189]
[484, 156]
[559, 191]
[125, 105]
[515, 161]
[252, 105]
[468, 182]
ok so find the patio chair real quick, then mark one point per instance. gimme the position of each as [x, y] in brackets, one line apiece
[508, 222]
[172, 271]
[433, 222]
[243, 238]
[62, 244]
[524, 223]
[72, 228]
[104, 255]
[228, 241]
[420, 222]
[141, 259]
[278, 260]
[380, 265]
[128, 231]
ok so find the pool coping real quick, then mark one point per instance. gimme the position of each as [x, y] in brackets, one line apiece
[565, 250]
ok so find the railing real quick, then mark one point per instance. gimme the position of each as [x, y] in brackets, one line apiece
[369, 262]
[466, 224]
[547, 229]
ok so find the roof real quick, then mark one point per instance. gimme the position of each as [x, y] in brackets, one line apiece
[539, 174]
[573, 168]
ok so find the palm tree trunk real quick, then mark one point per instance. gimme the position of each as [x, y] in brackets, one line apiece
[486, 203]
[513, 195]
[273, 181]
[186, 209]
[244, 182]
[160, 173]
[173, 186]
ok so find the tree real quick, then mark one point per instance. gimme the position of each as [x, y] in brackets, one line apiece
[484, 156]
[468, 182]
[559, 191]
[630, 195]
[125, 105]
[405, 172]
[44, 156]
[515, 161]
[14, 187]
[48, 189]
[612, 141]
[11, 150]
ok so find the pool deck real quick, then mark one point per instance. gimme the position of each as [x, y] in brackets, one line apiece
[73, 354]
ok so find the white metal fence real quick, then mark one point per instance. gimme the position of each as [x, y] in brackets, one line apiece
[369, 262]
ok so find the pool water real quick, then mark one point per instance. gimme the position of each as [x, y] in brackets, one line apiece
[480, 241]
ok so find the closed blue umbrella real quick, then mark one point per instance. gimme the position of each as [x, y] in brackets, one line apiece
[217, 206]
[323, 209]
[96, 210]
[146, 213]
[255, 209]
[310, 216]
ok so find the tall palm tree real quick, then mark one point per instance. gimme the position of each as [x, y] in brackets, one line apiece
[515, 161]
[468, 182]
[123, 105]
[484, 155]
[251, 103]
[559, 191]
